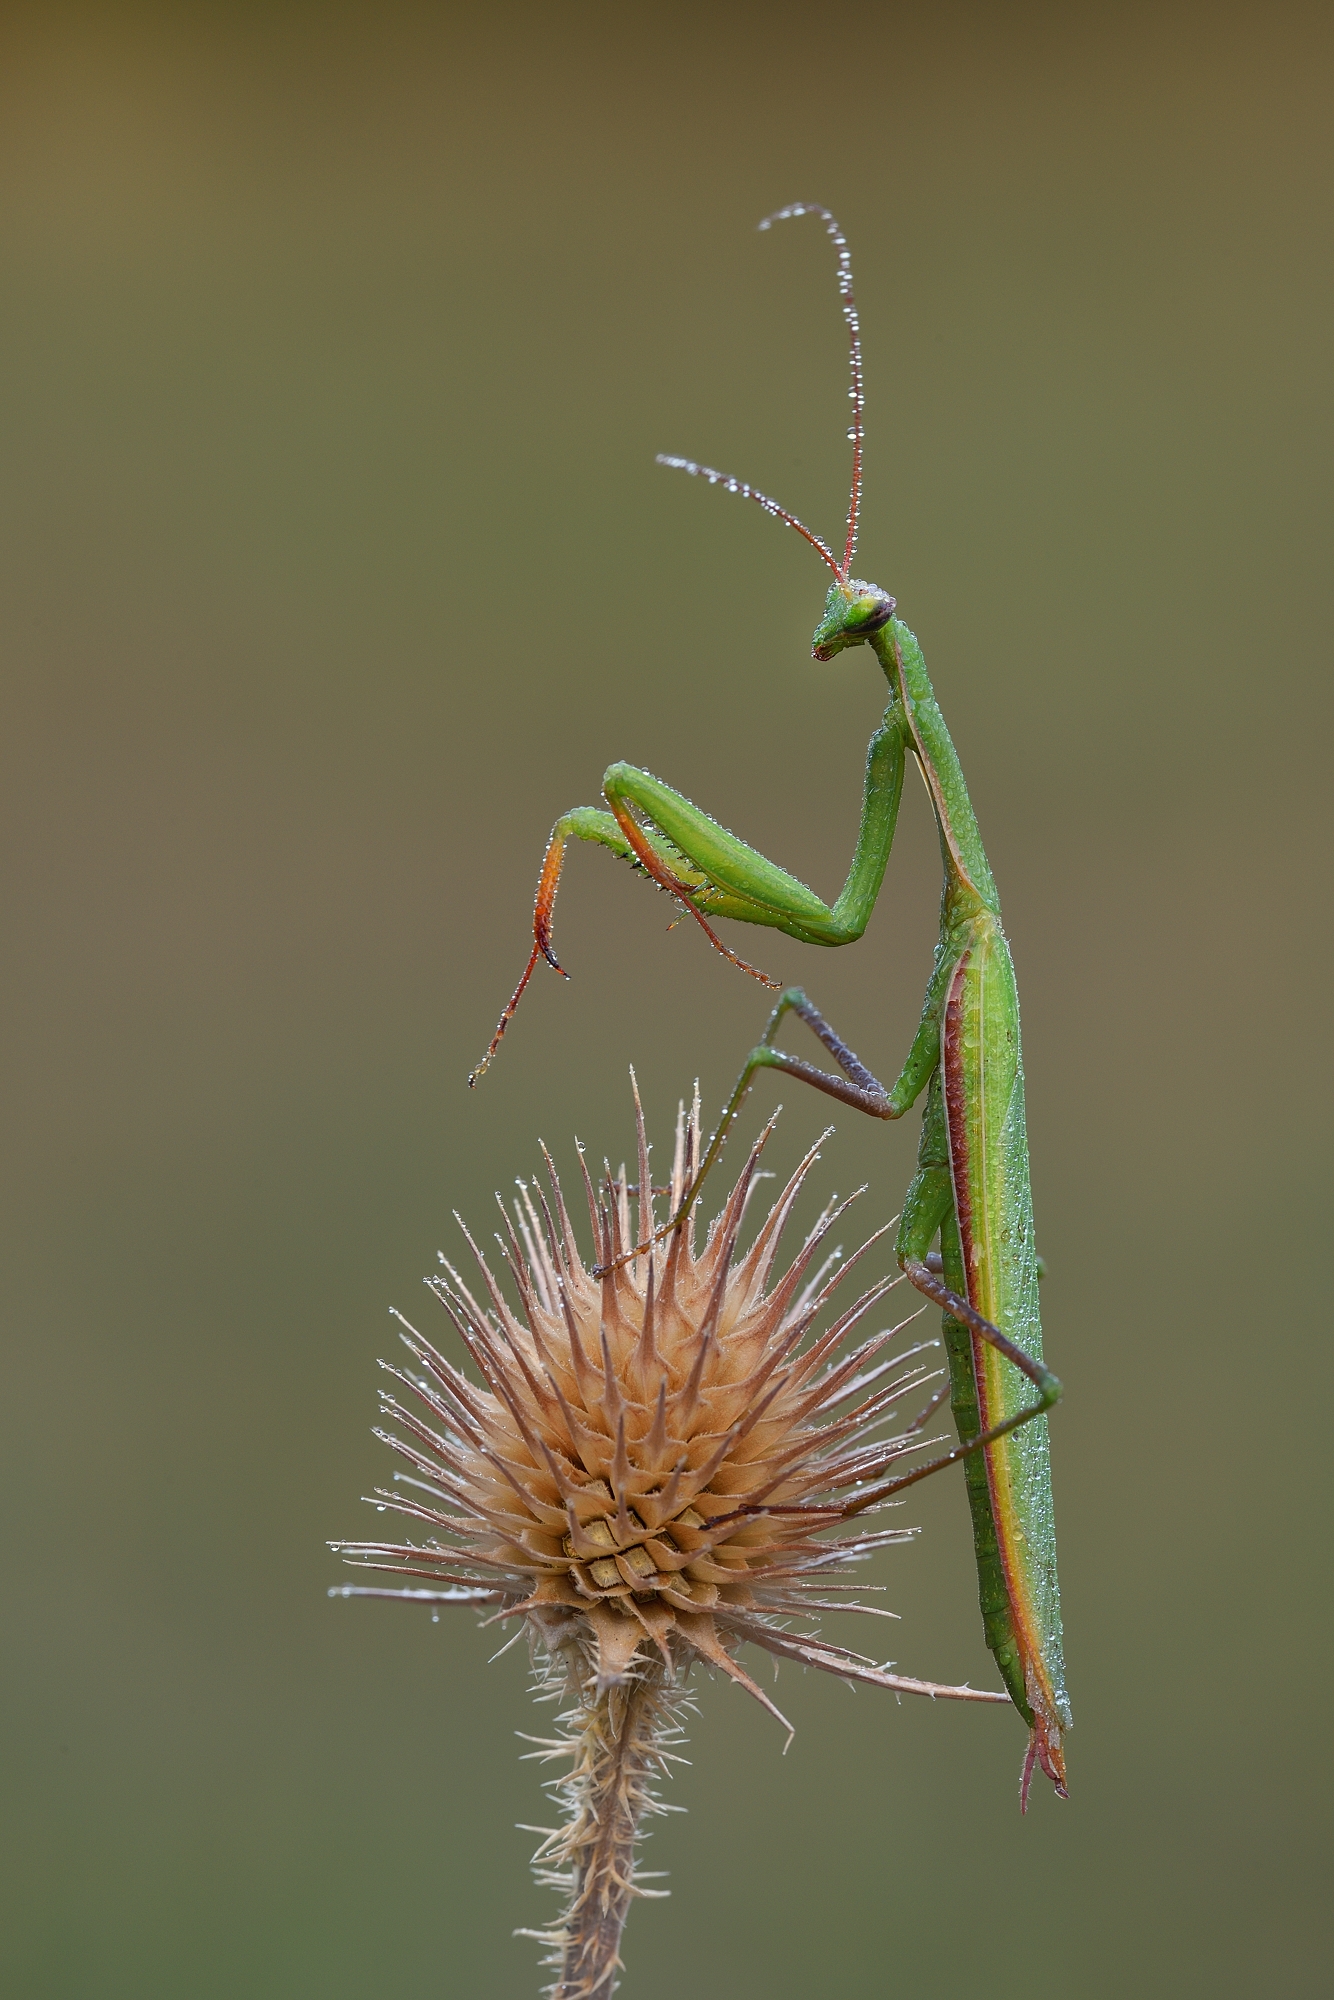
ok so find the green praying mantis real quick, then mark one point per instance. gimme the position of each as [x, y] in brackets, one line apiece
[971, 1188]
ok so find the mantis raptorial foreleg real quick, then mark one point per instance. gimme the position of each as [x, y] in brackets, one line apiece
[714, 874]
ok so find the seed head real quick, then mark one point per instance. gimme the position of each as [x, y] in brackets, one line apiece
[658, 1458]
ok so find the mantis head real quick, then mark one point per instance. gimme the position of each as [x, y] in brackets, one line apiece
[852, 611]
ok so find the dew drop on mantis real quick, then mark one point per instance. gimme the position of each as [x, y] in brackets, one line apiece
[971, 1189]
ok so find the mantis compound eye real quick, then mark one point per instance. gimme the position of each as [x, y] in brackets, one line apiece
[877, 614]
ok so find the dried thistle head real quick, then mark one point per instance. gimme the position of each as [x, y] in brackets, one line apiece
[657, 1463]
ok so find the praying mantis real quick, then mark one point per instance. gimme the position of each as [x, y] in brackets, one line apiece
[971, 1188]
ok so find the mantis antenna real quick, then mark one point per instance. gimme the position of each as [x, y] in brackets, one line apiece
[856, 394]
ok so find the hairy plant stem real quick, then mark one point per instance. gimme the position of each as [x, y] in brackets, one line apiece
[616, 1738]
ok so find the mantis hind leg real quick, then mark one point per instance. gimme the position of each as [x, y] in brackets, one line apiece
[929, 1208]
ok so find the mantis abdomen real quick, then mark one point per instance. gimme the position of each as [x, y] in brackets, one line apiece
[989, 1257]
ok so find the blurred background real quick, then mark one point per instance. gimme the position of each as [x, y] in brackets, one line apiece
[336, 347]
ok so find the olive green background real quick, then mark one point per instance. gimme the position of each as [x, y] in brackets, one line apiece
[336, 347]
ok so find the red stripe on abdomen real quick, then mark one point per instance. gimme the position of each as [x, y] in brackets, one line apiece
[956, 1120]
